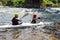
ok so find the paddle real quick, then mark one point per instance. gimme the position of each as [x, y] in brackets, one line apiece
[25, 15]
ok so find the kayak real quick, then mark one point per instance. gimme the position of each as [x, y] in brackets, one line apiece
[19, 26]
[24, 25]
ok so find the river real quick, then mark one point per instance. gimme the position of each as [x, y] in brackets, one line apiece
[38, 33]
[6, 14]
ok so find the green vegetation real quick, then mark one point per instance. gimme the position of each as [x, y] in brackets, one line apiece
[45, 2]
[0, 3]
[51, 2]
[21, 3]
[12, 3]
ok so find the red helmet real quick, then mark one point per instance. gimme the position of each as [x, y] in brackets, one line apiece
[34, 15]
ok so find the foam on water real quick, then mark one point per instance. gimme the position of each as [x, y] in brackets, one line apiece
[6, 14]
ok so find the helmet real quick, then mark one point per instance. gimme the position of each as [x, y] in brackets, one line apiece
[16, 15]
[34, 15]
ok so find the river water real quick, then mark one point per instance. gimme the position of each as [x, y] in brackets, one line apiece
[38, 33]
[6, 14]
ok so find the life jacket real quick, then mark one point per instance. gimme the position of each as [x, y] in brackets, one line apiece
[15, 21]
[33, 20]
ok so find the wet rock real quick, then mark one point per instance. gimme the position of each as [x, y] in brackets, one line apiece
[15, 34]
[53, 38]
[47, 32]
[2, 37]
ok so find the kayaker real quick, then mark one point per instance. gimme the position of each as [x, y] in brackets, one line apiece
[34, 19]
[15, 20]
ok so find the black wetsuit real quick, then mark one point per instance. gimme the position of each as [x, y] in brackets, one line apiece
[33, 21]
[15, 21]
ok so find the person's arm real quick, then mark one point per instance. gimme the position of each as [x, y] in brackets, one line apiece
[18, 20]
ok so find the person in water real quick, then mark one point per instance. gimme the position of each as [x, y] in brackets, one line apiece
[15, 20]
[34, 18]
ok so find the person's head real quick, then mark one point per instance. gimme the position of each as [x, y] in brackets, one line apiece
[34, 15]
[16, 15]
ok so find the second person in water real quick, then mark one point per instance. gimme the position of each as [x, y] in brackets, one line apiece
[35, 19]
